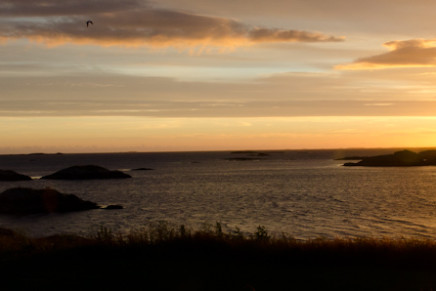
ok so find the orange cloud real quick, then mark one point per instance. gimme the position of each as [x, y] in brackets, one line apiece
[133, 23]
[407, 53]
[276, 35]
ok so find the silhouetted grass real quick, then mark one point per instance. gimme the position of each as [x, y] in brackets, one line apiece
[165, 257]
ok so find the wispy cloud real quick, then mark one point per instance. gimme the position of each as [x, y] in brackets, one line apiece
[289, 95]
[407, 53]
[133, 23]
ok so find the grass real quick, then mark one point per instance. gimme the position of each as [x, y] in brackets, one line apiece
[165, 257]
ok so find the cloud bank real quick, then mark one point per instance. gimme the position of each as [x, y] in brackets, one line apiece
[132, 23]
[407, 53]
[288, 95]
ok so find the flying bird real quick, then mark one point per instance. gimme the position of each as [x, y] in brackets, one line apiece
[89, 22]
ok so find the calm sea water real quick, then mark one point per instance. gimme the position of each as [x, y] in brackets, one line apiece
[305, 194]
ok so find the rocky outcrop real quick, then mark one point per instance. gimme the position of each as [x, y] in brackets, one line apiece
[7, 175]
[142, 169]
[247, 156]
[399, 159]
[113, 207]
[86, 173]
[22, 201]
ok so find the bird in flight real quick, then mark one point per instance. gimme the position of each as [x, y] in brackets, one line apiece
[89, 22]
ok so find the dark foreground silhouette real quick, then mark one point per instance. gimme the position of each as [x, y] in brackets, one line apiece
[164, 258]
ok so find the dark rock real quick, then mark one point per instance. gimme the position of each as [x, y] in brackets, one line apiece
[398, 159]
[112, 207]
[7, 175]
[86, 173]
[351, 164]
[22, 201]
[6, 232]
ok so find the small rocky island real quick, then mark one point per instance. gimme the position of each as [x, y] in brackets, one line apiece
[23, 201]
[87, 172]
[8, 175]
[247, 156]
[26, 201]
[403, 158]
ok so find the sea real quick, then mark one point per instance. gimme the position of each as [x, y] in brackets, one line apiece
[304, 194]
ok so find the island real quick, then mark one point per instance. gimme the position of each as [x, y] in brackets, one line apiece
[250, 153]
[405, 158]
[24, 201]
[8, 175]
[87, 172]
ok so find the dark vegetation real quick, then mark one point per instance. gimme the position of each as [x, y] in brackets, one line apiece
[404, 158]
[162, 257]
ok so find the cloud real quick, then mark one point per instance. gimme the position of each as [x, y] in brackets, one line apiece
[407, 53]
[39, 8]
[277, 35]
[288, 95]
[133, 23]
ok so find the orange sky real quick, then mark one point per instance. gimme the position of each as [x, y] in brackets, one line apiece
[216, 75]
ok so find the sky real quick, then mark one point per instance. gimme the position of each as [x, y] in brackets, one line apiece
[189, 75]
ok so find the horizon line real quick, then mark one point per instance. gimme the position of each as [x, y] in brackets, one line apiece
[217, 151]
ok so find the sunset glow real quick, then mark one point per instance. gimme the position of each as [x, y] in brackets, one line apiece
[211, 75]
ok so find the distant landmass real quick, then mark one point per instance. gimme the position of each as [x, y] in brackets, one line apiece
[403, 158]
[86, 173]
